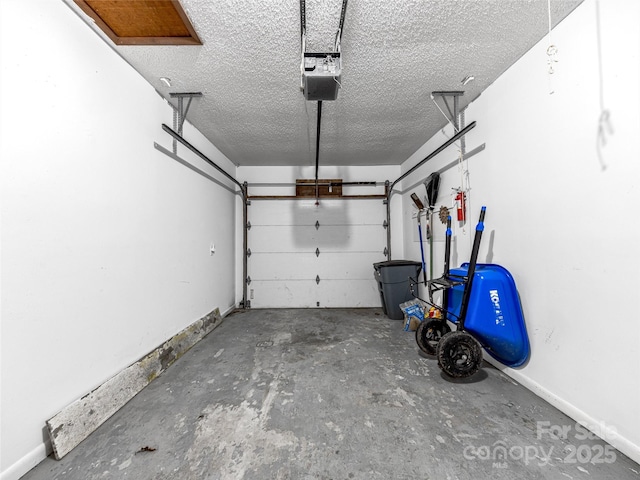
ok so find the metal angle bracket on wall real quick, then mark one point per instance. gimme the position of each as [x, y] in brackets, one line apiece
[248, 280]
[317, 279]
[248, 225]
[248, 252]
[317, 224]
[385, 252]
[385, 224]
[182, 110]
[317, 252]
[456, 108]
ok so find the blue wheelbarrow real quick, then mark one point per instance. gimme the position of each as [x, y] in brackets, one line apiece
[483, 303]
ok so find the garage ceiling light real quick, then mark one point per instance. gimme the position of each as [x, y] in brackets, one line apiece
[467, 79]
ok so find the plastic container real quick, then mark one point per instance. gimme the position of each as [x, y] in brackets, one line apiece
[393, 284]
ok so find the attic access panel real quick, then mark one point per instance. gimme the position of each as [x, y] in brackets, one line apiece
[142, 22]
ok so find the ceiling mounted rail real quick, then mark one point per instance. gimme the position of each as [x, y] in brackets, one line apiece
[438, 150]
[303, 25]
[343, 12]
[181, 161]
[245, 302]
[376, 196]
[179, 138]
[446, 144]
[318, 146]
[320, 72]
[320, 183]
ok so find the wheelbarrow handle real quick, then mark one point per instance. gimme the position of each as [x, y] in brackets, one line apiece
[466, 294]
[447, 248]
[480, 226]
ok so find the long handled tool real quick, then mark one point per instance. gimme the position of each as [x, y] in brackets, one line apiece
[432, 184]
[420, 206]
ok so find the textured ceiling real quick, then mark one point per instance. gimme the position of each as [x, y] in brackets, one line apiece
[395, 53]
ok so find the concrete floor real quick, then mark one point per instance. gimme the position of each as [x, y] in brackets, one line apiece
[331, 394]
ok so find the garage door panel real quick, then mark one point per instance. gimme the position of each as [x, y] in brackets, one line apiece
[350, 237]
[305, 212]
[282, 266]
[283, 294]
[280, 212]
[348, 265]
[283, 212]
[279, 238]
[350, 294]
[290, 238]
[308, 294]
[350, 212]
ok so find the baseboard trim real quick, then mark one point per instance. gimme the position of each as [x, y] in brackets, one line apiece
[26, 463]
[78, 420]
[229, 311]
[606, 432]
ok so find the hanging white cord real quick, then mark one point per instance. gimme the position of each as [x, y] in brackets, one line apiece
[463, 168]
[465, 189]
[465, 197]
[465, 186]
[448, 120]
[604, 121]
[464, 162]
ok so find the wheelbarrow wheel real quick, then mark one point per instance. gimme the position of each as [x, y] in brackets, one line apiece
[459, 354]
[429, 333]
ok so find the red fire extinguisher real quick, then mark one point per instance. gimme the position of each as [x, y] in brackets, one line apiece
[460, 206]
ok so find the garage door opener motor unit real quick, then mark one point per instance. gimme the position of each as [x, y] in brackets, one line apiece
[322, 75]
[321, 72]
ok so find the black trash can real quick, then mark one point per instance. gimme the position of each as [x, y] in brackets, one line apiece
[393, 283]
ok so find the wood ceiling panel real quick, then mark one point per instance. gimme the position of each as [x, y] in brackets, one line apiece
[142, 22]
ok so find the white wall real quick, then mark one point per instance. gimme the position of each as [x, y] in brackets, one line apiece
[105, 240]
[561, 218]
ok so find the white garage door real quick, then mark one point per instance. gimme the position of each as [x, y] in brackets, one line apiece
[303, 255]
